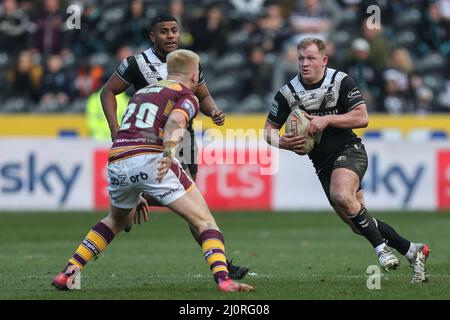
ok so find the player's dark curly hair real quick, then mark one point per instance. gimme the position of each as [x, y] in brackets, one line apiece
[161, 18]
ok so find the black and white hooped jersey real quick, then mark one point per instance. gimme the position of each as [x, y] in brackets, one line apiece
[336, 93]
[145, 68]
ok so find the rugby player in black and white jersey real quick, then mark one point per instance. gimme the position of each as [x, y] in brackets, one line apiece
[147, 68]
[334, 106]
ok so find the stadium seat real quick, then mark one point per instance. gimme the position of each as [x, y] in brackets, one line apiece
[408, 17]
[230, 61]
[15, 105]
[404, 38]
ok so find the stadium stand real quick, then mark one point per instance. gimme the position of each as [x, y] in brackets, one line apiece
[403, 67]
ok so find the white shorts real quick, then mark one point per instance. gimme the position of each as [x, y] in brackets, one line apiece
[129, 177]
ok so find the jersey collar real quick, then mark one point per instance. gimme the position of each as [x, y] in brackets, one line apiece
[160, 57]
[314, 85]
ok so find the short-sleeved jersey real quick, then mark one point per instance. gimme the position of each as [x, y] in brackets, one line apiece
[145, 68]
[336, 93]
[142, 128]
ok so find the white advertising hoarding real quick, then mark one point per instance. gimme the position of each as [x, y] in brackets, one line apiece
[45, 174]
[400, 175]
[69, 174]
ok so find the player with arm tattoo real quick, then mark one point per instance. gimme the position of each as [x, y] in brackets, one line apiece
[147, 68]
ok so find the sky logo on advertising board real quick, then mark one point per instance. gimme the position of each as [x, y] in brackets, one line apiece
[394, 179]
[16, 176]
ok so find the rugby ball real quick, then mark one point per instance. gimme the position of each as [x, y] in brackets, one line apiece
[297, 123]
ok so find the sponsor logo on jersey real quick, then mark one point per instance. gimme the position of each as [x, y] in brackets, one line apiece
[189, 108]
[139, 177]
[274, 108]
[168, 193]
[119, 180]
[353, 94]
[123, 66]
[152, 74]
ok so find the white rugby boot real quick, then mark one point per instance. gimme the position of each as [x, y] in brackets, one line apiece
[388, 260]
[418, 263]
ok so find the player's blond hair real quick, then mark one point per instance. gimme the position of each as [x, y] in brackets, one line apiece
[305, 43]
[182, 62]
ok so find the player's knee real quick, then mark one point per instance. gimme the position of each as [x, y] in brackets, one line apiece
[120, 221]
[345, 200]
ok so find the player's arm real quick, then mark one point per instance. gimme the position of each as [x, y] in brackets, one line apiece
[353, 111]
[116, 84]
[208, 105]
[113, 87]
[174, 130]
[275, 119]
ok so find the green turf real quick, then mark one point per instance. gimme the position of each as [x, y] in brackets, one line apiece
[294, 256]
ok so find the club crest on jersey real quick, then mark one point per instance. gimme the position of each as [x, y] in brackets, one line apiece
[329, 96]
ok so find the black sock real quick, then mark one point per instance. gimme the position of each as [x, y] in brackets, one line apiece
[392, 238]
[367, 227]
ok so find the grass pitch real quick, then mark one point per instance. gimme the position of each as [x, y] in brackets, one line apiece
[291, 255]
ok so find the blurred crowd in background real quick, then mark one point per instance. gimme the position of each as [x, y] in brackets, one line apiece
[247, 49]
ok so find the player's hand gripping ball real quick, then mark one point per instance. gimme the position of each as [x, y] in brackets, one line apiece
[297, 123]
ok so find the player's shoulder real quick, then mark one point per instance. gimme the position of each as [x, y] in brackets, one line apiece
[147, 54]
[334, 75]
[339, 76]
[289, 90]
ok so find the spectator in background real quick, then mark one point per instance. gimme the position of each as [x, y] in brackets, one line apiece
[259, 77]
[28, 6]
[177, 10]
[444, 8]
[210, 32]
[444, 95]
[15, 27]
[272, 30]
[287, 67]
[88, 39]
[50, 24]
[121, 54]
[310, 20]
[88, 79]
[400, 71]
[55, 88]
[423, 101]
[333, 60]
[360, 68]
[434, 32]
[379, 50]
[4, 90]
[248, 8]
[136, 24]
[25, 77]
[394, 100]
